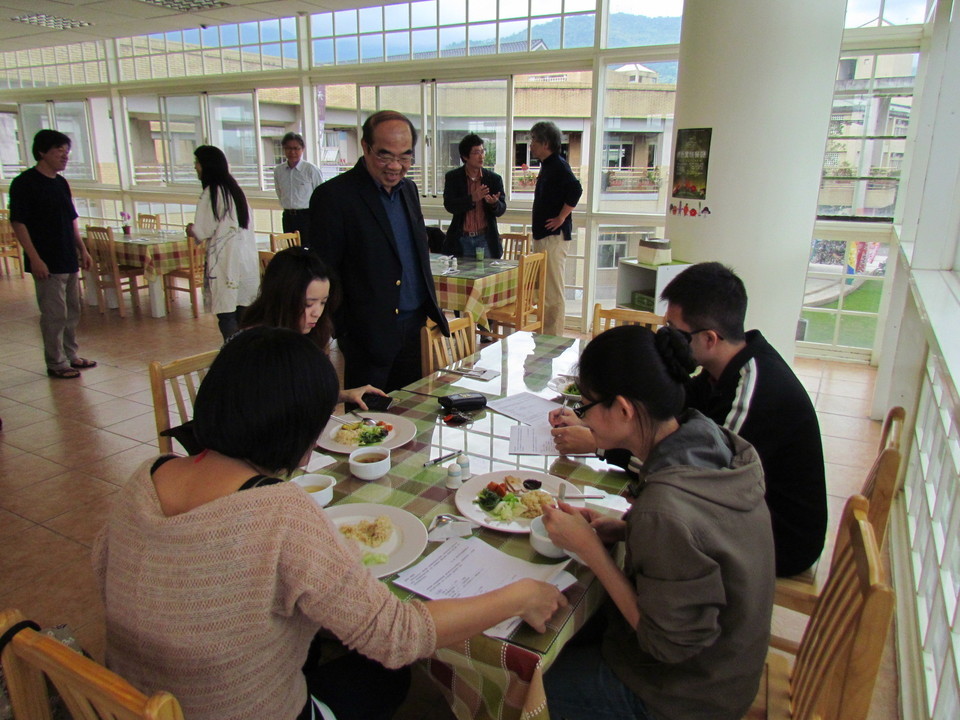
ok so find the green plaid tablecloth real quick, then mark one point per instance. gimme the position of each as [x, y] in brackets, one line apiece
[487, 677]
[478, 286]
[157, 253]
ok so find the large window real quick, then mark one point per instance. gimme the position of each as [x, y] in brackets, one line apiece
[78, 64]
[69, 118]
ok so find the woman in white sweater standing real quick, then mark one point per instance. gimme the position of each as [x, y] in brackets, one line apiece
[223, 222]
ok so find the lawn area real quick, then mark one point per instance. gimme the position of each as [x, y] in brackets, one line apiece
[856, 331]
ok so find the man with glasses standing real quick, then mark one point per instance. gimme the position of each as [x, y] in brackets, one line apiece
[366, 224]
[474, 196]
[295, 180]
[557, 193]
[747, 387]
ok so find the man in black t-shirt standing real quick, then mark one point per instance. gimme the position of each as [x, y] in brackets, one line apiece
[45, 222]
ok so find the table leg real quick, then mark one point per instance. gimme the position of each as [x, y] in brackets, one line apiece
[158, 303]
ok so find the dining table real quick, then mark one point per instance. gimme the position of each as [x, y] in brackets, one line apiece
[483, 676]
[157, 252]
[474, 286]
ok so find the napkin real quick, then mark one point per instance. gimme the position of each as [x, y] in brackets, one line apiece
[449, 531]
[318, 460]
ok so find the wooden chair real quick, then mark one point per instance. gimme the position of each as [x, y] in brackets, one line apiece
[526, 312]
[437, 351]
[282, 241]
[181, 379]
[605, 319]
[109, 272]
[515, 245]
[265, 257]
[148, 222]
[88, 689]
[800, 592]
[892, 428]
[9, 245]
[193, 274]
[838, 657]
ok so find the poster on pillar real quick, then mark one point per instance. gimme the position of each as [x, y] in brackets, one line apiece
[690, 161]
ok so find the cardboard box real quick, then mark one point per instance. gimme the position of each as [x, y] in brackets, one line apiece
[652, 256]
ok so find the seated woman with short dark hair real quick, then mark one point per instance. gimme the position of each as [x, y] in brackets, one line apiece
[216, 576]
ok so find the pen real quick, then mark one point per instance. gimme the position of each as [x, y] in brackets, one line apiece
[431, 463]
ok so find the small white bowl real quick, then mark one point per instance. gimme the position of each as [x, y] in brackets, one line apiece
[319, 487]
[540, 540]
[370, 463]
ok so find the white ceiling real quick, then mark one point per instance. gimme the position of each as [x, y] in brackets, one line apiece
[125, 18]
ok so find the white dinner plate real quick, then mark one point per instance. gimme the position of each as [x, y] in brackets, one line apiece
[404, 546]
[403, 432]
[560, 382]
[468, 492]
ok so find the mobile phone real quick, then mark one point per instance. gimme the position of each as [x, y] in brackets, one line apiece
[377, 403]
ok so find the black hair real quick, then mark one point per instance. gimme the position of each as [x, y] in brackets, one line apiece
[266, 398]
[547, 133]
[215, 174]
[647, 369]
[468, 143]
[710, 297]
[45, 140]
[283, 290]
[382, 117]
[293, 137]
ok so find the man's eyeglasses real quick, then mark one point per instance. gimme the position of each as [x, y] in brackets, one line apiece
[388, 158]
[688, 334]
[580, 409]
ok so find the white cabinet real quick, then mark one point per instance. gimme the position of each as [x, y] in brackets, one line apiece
[648, 280]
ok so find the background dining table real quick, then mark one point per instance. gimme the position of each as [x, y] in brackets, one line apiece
[486, 677]
[157, 252]
[476, 286]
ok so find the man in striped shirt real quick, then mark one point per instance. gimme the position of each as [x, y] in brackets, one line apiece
[747, 387]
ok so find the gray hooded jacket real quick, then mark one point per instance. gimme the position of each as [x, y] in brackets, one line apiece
[700, 554]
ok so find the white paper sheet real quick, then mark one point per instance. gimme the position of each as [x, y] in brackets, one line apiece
[525, 407]
[318, 460]
[532, 440]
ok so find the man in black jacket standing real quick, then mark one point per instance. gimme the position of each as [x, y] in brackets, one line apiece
[474, 196]
[366, 224]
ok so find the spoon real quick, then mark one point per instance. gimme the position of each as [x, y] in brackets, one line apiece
[366, 420]
[441, 520]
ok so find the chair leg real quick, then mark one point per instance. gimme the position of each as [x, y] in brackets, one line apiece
[194, 302]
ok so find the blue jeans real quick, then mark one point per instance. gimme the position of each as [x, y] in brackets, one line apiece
[581, 686]
[469, 245]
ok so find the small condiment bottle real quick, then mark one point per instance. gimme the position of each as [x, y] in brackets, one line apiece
[464, 462]
[453, 262]
[454, 476]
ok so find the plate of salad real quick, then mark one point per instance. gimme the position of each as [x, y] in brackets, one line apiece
[507, 500]
[565, 385]
[387, 431]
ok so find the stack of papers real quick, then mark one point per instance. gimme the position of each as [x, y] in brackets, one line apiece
[465, 567]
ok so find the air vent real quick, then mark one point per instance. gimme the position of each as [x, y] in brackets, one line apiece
[51, 21]
[185, 6]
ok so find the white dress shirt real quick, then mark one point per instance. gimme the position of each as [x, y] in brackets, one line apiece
[295, 185]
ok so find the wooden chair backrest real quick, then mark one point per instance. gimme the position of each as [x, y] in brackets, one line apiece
[102, 246]
[89, 690]
[437, 351]
[181, 379]
[531, 281]
[7, 237]
[265, 257]
[839, 655]
[282, 241]
[198, 258]
[515, 245]
[892, 428]
[148, 222]
[604, 319]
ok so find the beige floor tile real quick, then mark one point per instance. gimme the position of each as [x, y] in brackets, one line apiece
[50, 498]
[25, 469]
[839, 405]
[10, 524]
[109, 413]
[78, 605]
[31, 554]
[82, 524]
[77, 453]
[850, 428]
[20, 416]
[853, 453]
[843, 480]
[142, 428]
[117, 469]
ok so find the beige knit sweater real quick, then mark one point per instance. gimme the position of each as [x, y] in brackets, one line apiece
[219, 605]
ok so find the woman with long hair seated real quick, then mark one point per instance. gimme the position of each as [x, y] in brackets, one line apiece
[298, 293]
[223, 222]
[689, 618]
[216, 576]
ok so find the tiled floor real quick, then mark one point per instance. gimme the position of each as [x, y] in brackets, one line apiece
[68, 445]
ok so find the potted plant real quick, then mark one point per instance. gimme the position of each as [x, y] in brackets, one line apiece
[125, 219]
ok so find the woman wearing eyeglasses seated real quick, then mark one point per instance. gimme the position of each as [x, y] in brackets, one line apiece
[216, 576]
[689, 615]
[297, 293]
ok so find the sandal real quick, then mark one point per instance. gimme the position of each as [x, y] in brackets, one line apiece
[63, 373]
[83, 364]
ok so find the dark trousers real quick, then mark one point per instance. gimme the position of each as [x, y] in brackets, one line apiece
[294, 220]
[402, 368]
[356, 688]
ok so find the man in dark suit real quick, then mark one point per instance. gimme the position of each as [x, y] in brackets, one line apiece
[366, 224]
[474, 196]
